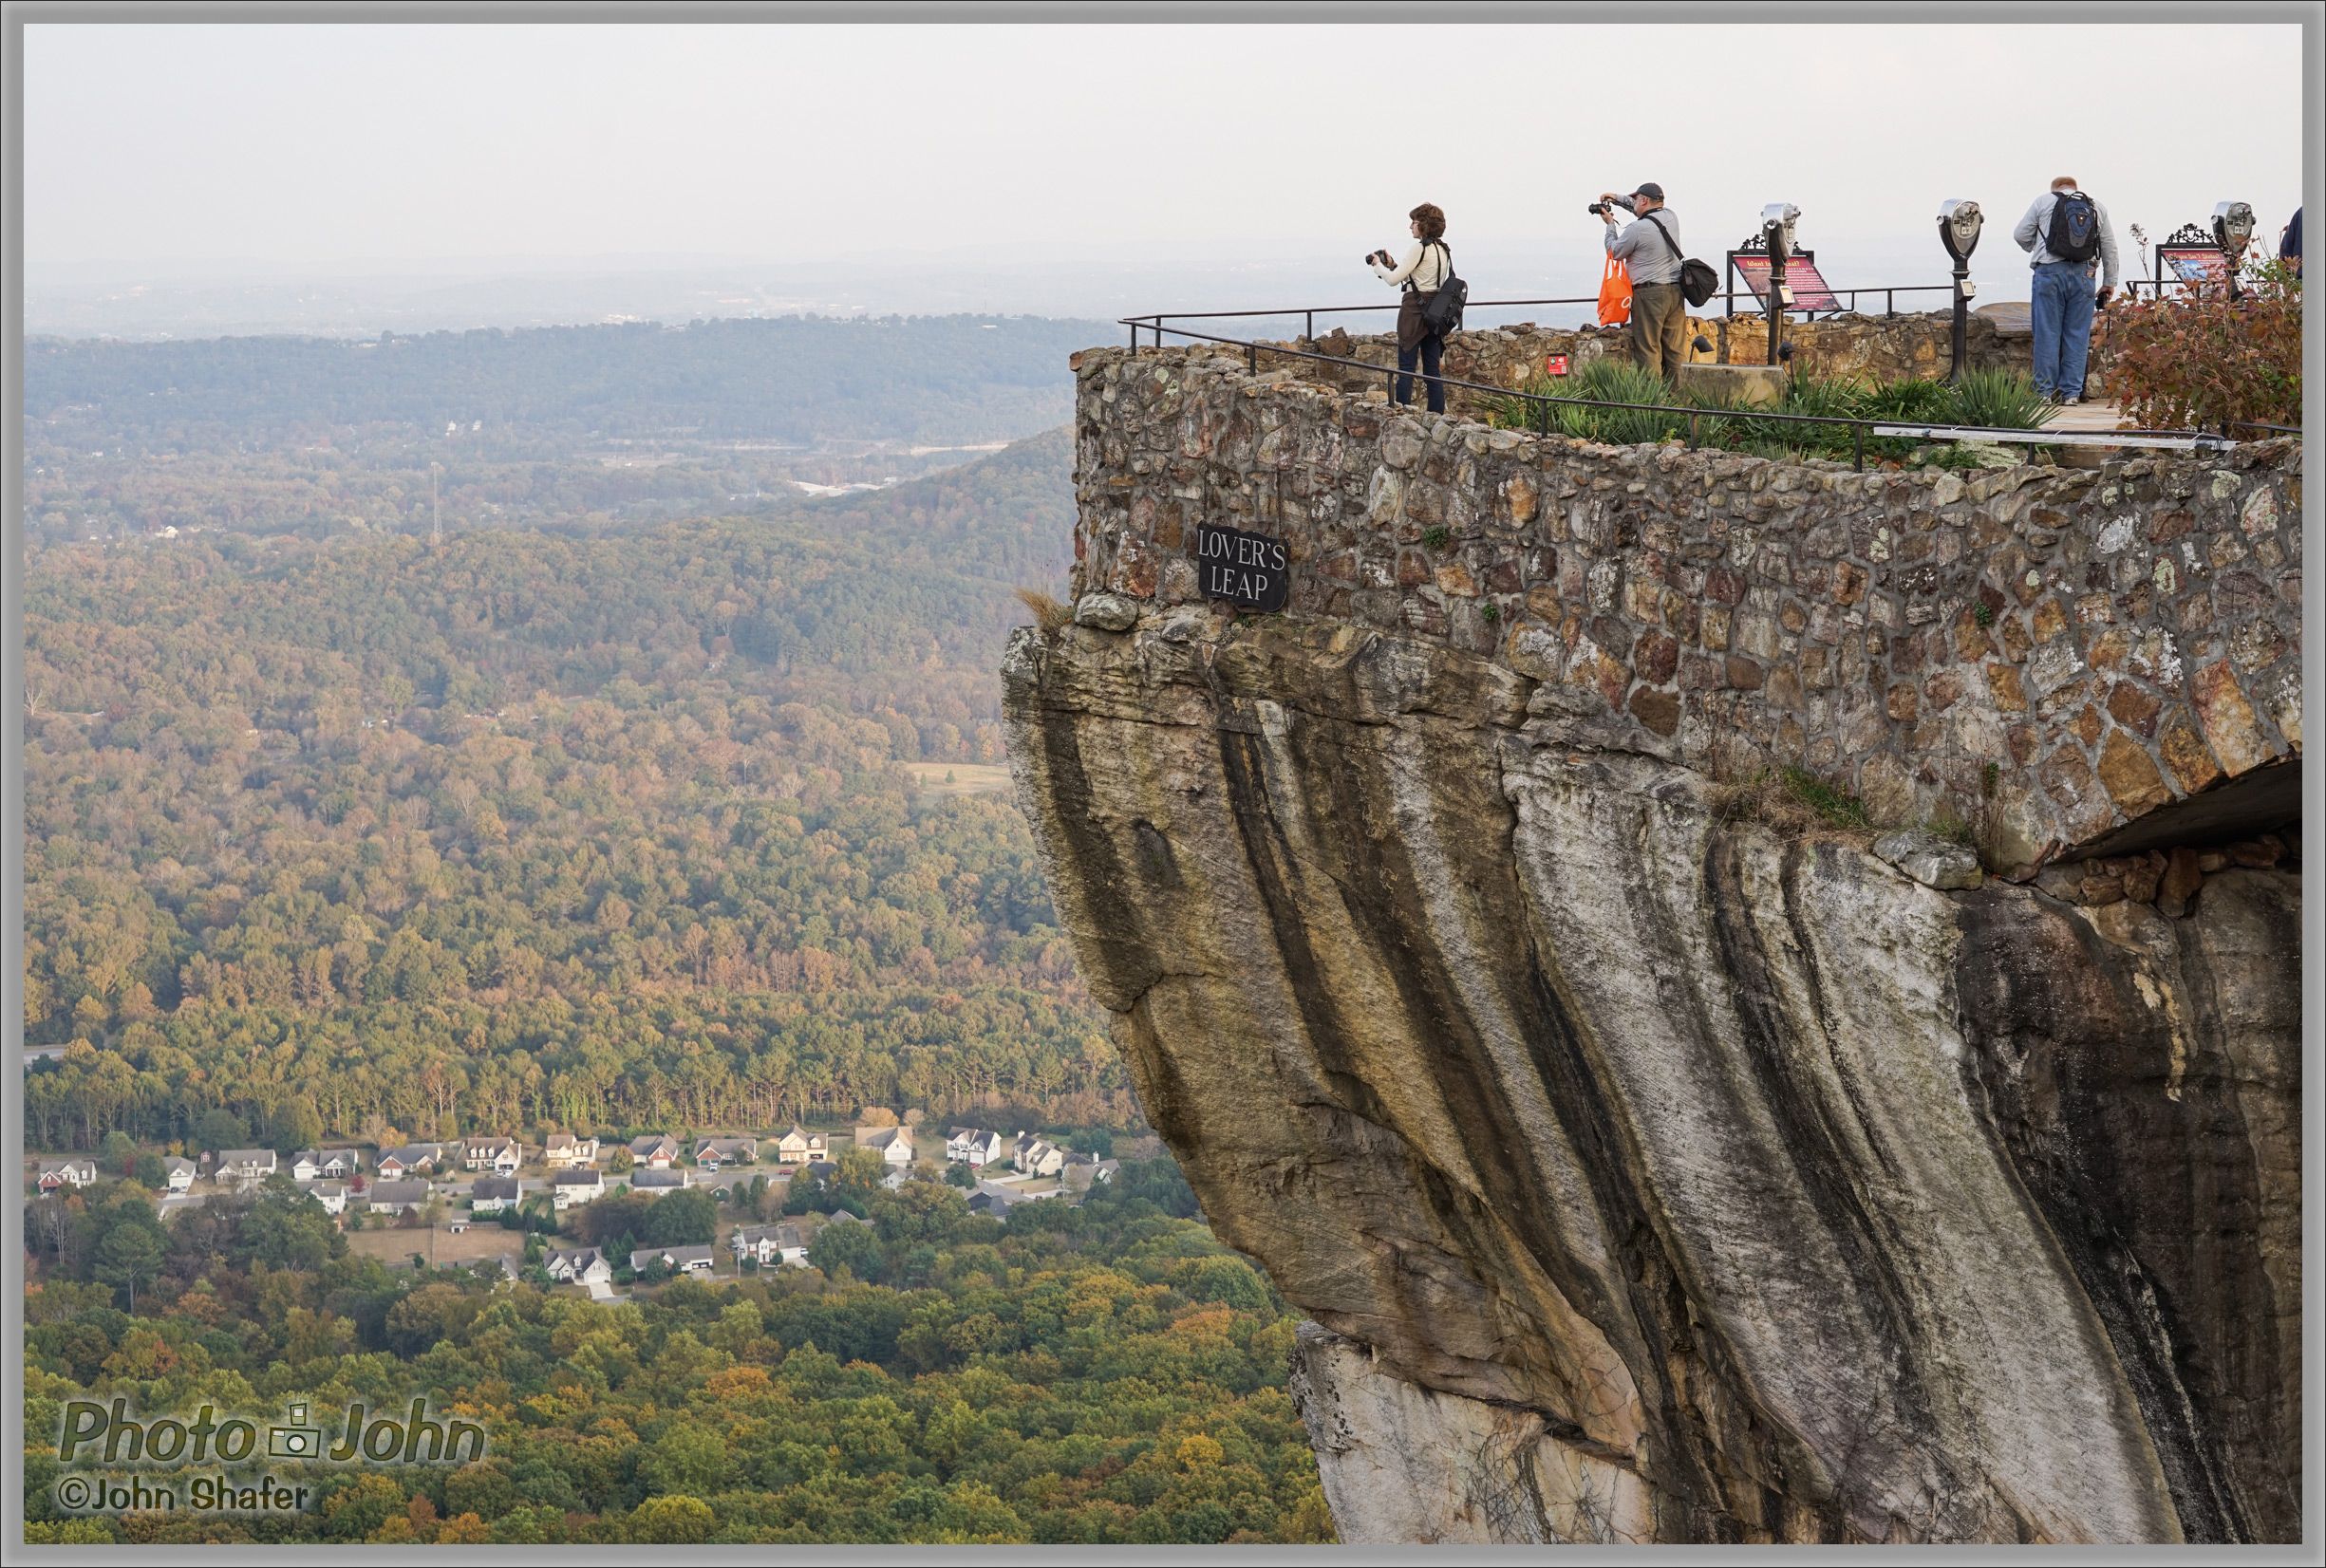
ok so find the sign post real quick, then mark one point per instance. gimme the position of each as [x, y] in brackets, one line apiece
[1249, 570]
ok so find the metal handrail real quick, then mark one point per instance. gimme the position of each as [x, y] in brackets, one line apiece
[1859, 428]
[1151, 321]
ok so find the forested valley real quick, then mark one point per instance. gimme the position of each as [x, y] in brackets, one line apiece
[518, 828]
[484, 732]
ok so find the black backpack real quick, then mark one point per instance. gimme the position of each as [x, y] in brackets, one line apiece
[2075, 227]
[1441, 314]
[1698, 281]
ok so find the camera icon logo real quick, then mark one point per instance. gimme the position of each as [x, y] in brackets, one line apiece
[296, 1439]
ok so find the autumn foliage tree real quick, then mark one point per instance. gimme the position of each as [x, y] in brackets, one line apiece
[2200, 361]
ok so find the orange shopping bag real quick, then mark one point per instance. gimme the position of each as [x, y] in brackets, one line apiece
[1615, 294]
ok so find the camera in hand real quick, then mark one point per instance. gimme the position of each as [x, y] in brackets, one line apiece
[1598, 209]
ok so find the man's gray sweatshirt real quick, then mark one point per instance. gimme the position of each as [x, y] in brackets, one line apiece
[1645, 256]
[2035, 233]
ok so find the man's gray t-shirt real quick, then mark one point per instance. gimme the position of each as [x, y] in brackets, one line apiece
[1645, 255]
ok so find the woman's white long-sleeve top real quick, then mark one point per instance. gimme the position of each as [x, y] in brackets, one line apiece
[1426, 263]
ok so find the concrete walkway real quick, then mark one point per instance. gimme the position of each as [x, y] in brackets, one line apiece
[2087, 416]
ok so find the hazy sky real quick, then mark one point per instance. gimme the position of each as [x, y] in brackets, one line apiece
[297, 146]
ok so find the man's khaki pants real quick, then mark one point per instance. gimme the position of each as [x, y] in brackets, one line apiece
[1658, 329]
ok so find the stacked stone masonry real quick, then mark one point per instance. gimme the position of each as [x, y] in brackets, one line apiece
[2046, 655]
[1881, 349]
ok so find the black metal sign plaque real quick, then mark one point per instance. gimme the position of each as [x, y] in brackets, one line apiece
[1251, 570]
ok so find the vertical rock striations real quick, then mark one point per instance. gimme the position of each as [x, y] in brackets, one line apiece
[1654, 1176]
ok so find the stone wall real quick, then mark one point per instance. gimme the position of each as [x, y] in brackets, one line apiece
[1883, 348]
[2047, 654]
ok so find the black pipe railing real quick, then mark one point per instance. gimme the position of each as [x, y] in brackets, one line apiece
[1308, 313]
[1543, 401]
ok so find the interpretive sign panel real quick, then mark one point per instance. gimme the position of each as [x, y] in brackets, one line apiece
[2192, 264]
[1251, 570]
[1811, 292]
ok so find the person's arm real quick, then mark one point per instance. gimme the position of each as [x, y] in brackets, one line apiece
[2027, 234]
[2107, 251]
[1621, 246]
[1405, 267]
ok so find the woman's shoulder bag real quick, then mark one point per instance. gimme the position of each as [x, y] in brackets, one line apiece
[1441, 315]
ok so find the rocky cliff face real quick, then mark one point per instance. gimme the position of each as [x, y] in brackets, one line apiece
[1652, 1171]
[1653, 1174]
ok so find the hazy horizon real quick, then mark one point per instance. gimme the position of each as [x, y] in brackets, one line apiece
[638, 170]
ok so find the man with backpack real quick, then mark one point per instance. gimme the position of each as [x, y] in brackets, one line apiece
[1649, 249]
[2064, 233]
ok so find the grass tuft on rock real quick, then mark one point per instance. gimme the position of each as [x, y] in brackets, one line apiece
[1049, 613]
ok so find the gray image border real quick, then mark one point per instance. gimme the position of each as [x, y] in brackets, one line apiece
[17, 14]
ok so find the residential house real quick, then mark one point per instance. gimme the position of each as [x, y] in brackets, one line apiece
[578, 1266]
[801, 1148]
[395, 1197]
[655, 1152]
[323, 1164]
[892, 1143]
[565, 1150]
[677, 1259]
[771, 1246]
[244, 1166]
[569, 1187]
[176, 1174]
[1039, 1157]
[500, 1156]
[331, 1195]
[74, 1173]
[494, 1193]
[1083, 1171]
[996, 1199]
[711, 1153]
[661, 1181]
[417, 1159]
[974, 1146]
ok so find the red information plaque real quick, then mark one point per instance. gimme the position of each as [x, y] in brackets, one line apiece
[1811, 292]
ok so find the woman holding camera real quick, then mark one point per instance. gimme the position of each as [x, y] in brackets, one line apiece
[1425, 267]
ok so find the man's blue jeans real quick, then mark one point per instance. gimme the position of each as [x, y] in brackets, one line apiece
[2061, 316]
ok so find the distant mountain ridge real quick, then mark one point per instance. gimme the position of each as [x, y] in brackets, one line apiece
[942, 379]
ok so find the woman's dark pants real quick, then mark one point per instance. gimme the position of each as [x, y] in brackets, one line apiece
[1431, 352]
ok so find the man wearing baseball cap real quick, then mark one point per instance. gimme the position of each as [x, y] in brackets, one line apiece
[1659, 313]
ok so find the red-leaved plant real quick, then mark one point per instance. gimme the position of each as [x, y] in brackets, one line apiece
[2200, 361]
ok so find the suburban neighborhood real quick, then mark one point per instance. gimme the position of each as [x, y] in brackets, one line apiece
[496, 1195]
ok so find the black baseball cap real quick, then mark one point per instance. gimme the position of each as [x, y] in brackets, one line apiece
[1651, 190]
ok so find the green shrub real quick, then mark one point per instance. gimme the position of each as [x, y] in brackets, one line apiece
[2001, 399]
[1994, 399]
[1601, 380]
